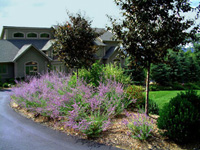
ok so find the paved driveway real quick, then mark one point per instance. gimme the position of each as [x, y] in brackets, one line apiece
[20, 133]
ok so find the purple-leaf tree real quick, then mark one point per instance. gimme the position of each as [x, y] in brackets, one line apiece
[74, 42]
[149, 28]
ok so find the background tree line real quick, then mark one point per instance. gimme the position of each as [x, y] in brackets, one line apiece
[184, 67]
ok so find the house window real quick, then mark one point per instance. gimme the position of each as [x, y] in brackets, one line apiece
[3, 69]
[31, 68]
[31, 35]
[18, 35]
[44, 35]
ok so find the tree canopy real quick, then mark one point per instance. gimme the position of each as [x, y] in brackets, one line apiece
[74, 41]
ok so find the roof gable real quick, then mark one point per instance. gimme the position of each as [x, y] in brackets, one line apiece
[26, 48]
[48, 45]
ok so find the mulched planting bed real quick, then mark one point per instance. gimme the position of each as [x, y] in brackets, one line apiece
[116, 135]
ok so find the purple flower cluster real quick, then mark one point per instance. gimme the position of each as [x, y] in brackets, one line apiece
[140, 126]
[59, 96]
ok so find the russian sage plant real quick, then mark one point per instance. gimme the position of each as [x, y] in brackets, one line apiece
[140, 126]
[83, 108]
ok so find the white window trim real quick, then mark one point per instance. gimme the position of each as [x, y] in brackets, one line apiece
[44, 37]
[18, 37]
[32, 37]
[29, 62]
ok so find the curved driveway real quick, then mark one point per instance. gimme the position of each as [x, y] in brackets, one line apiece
[20, 133]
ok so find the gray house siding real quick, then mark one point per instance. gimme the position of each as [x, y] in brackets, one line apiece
[28, 56]
[9, 71]
[101, 52]
[116, 56]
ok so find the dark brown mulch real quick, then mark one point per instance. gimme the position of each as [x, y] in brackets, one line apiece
[116, 135]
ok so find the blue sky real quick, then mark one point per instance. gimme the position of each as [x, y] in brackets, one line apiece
[45, 13]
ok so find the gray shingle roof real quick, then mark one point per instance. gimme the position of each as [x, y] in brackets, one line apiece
[7, 51]
[98, 43]
[25, 48]
[38, 43]
[106, 36]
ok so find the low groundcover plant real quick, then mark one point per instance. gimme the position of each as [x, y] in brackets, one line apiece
[140, 126]
[59, 96]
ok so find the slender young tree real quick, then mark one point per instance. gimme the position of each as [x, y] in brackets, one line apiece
[150, 27]
[74, 42]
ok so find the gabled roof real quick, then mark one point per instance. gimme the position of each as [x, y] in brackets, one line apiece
[7, 51]
[48, 45]
[38, 43]
[98, 42]
[106, 36]
[26, 48]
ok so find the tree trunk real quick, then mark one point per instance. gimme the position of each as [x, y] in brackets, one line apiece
[147, 90]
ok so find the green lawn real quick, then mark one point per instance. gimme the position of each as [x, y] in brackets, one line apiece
[162, 97]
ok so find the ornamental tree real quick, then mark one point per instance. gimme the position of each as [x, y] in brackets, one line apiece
[74, 42]
[149, 28]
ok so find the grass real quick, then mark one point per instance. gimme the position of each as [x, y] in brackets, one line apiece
[162, 97]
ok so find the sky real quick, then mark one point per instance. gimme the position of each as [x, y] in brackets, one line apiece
[46, 13]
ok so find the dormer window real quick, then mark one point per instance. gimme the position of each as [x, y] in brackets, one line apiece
[32, 35]
[18, 35]
[45, 35]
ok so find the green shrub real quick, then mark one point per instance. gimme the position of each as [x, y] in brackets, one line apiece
[6, 85]
[155, 87]
[178, 86]
[98, 73]
[93, 75]
[136, 92]
[11, 81]
[116, 73]
[179, 118]
[192, 97]
[153, 107]
[193, 86]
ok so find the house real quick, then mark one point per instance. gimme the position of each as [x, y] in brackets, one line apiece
[28, 51]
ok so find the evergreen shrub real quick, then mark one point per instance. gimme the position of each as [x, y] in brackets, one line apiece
[180, 117]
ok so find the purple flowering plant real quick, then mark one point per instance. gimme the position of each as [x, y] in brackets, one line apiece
[59, 96]
[140, 126]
